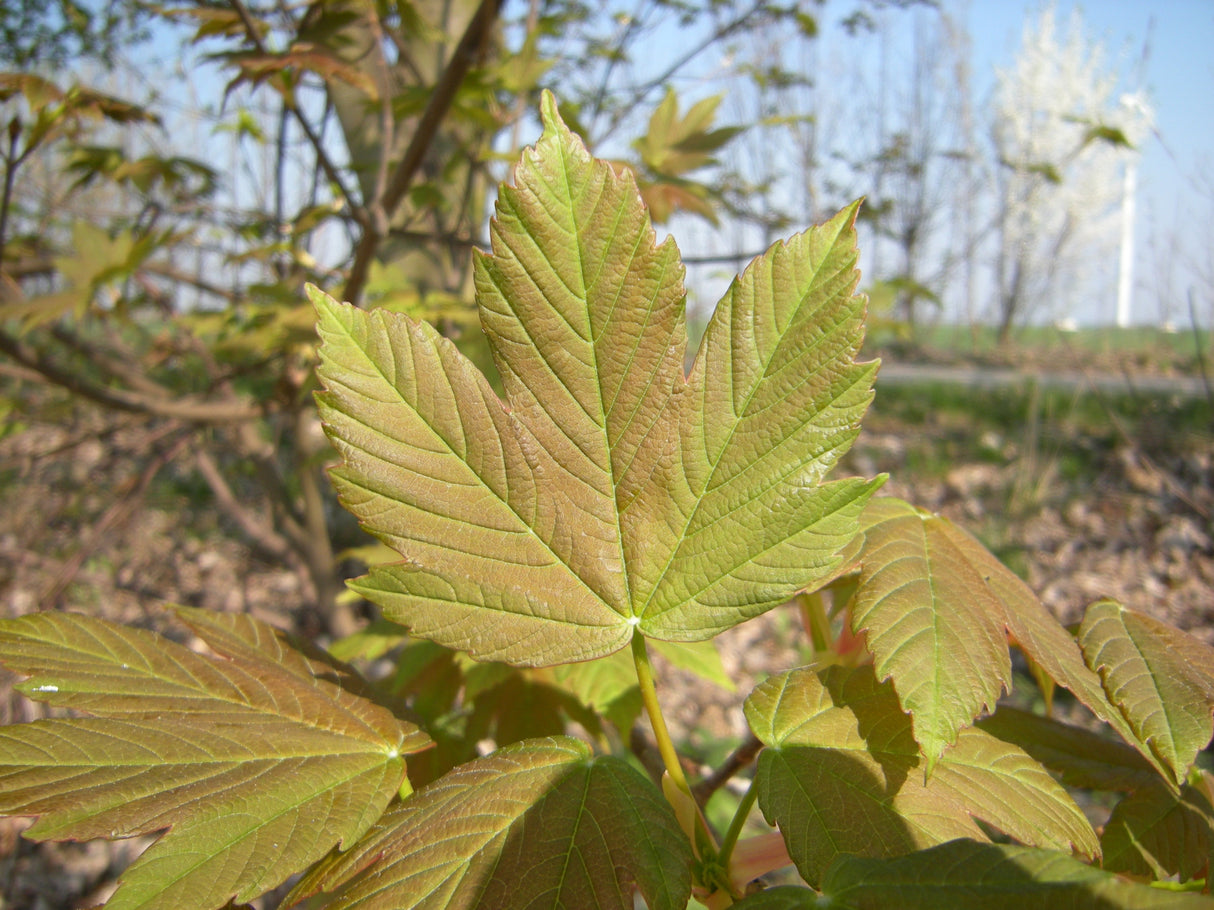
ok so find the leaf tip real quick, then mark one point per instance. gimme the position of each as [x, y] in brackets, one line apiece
[852, 211]
[321, 301]
[550, 115]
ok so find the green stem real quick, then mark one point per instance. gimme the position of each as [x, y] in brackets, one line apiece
[813, 613]
[738, 823]
[649, 697]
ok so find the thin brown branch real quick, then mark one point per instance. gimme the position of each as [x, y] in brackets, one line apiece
[11, 163]
[387, 127]
[462, 58]
[322, 156]
[664, 78]
[262, 537]
[172, 273]
[190, 410]
[125, 369]
[36, 266]
[466, 53]
[742, 756]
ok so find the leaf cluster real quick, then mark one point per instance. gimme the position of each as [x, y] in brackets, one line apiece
[541, 542]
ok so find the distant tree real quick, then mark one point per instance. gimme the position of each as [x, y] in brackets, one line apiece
[909, 160]
[350, 144]
[1060, 134]
[37, 33]
[836, 122]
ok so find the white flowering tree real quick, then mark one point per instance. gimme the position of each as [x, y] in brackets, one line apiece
[1063, 135]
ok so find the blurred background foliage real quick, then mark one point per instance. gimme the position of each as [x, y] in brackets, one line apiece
[174, 172]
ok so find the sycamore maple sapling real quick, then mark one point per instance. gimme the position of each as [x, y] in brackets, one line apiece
[544, 542]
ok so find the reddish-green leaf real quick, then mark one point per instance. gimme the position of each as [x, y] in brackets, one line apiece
[1161, 679]
[257, 762]
[609, 492]
[940, 609]
[740, 520]
[539, 824]
[1158, 833]
[842, 775]
[674, 144]
[1053, 650]
[933, 624]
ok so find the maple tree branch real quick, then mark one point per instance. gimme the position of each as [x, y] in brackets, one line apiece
[441, 98]
[10, 175]
[326, 163]
[190, 410]
[261, 535]
[742, 756]
[124, 369]
[130, 494]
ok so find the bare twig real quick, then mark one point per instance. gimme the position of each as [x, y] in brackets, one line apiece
[190, 410]
[663, 79]
[171, 272]
[322, 156]
[11, 163]
[443, 94]
[742, 756]
[126, 370]
[262, 538]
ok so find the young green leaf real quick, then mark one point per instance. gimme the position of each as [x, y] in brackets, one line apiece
[1157, 833]
[841, 747]
[257, 764]
[610, 492]
[540, 823]
[934, 626]
[1160, 678]
[940, 611]
[1053, 650]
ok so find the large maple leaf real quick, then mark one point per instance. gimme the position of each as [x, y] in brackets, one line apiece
[257, 760]
[610, 491]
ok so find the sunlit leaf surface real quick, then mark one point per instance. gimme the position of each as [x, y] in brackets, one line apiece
[1160, 678]
[257, 763]
[538, 824]
[939, 612]
[934, 626]
[608, 492]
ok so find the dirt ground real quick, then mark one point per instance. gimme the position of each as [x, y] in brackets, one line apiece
[72, 536]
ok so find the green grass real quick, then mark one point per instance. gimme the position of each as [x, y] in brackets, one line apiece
[951, 410]
[1144, 345]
